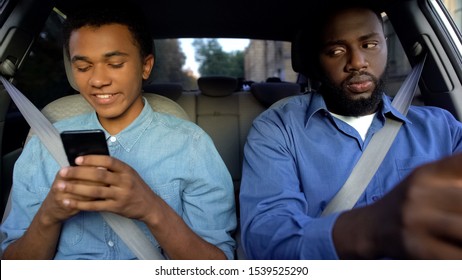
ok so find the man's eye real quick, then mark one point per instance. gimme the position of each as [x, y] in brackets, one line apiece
[83, 68]
[335, 52]
[116, 65]
[370, 45]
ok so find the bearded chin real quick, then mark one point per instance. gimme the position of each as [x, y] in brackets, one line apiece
[338, 101]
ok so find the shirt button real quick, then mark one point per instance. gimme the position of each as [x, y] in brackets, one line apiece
[110, 243]
[113, 139]
[375, 197]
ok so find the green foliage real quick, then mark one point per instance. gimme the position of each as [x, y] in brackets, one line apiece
[214, 61]
[168, 64]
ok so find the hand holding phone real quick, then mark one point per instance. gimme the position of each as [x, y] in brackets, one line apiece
[84, 142]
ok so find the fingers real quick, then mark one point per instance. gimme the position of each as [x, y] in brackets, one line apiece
[88, 175]
[432, 210]
[75, 196]
[445, 195]
[101, 161]
[430, 248]
[104, 183]
[55, 206]
[86, 191]
[93, 205]
[449, 167]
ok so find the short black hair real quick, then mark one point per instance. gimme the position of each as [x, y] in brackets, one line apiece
[97, 13]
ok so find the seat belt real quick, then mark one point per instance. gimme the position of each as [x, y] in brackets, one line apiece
[127, 230]
[377, 148]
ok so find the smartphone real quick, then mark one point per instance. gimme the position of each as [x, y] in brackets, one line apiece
[84, 142]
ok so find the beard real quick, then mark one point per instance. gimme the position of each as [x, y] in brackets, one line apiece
[339, 102]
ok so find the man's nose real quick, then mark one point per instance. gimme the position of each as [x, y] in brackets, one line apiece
[357, 61]
[99, 77]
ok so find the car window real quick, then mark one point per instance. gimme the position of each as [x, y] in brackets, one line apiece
[450, 14]
[182, 61]
[42, 77]
[454, 8]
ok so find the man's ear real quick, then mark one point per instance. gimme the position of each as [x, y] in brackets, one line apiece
[148, 64]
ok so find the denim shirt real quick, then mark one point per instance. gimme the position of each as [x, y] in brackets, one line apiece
[298, 156]
[176, 158]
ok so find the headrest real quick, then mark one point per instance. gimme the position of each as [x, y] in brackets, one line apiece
[68, 69]
[170, 90]
[273, 80]
[71, 105]
[300, 48]
[268, 93]
[217, 86]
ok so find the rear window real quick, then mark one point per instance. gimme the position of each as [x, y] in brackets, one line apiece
[183, 60]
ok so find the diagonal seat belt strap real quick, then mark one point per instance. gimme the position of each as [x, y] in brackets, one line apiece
[127, 230]
[376, 150]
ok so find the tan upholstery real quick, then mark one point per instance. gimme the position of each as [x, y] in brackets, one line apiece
[226, 115]
[219, 117]
[175, 91]
[170, 90]
[75, 104]
[188, 102]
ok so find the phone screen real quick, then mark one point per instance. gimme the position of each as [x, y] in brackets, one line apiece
[84, 142]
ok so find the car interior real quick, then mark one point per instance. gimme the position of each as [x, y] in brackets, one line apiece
[223, 105]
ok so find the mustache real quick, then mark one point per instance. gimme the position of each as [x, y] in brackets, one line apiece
[359, 77]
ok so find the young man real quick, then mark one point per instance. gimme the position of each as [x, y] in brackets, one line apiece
[300, 152]
[163, 172]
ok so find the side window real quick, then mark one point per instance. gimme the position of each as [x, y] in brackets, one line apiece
[454, 8]
[450, 14]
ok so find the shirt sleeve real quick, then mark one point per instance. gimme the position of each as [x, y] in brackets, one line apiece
[208, 201]
[274, 219]
[30, 187]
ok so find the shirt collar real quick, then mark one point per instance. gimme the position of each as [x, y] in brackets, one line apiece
[317, 104]
[390, 111]
[130, 135]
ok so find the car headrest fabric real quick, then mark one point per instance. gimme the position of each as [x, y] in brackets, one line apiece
[68, 69]
[217, 86]
[75, 104]
[269, 93]
[301, 48]
[170, 90]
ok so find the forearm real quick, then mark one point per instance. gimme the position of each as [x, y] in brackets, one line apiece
[38, 242]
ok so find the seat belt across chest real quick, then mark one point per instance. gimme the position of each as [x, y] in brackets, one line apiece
[377, 148]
